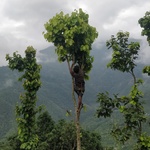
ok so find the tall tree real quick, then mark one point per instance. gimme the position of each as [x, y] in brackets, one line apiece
[26, 111]
[130, 106]
[73, 37]
[145, 24]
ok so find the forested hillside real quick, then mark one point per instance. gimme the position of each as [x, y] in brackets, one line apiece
[55, 93]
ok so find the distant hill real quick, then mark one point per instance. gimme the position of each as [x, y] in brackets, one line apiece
[55, 92]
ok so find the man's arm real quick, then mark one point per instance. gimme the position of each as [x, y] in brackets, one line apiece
[71, 69]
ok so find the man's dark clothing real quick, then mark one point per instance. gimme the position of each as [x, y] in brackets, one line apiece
[79, 82]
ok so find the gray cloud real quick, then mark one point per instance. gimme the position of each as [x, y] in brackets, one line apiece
[22, 22]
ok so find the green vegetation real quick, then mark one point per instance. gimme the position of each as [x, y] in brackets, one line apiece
[55, 89]
[73, 38]
[26, 111]
[145, 24]
[131, 107]
[126, 118]
[57, 136]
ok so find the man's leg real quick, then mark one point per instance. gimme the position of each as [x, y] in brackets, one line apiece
[79, 101]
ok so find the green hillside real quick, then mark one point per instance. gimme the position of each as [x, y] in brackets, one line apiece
[55, 92]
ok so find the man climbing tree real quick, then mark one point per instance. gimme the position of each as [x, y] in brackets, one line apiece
[73, 38]
[79, 85]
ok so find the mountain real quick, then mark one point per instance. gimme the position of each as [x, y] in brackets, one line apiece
[55, 93]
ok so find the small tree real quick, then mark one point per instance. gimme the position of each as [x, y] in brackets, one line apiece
[73, 38]
[63, 137]
[123, 59]
[45, 124]
[26, 111]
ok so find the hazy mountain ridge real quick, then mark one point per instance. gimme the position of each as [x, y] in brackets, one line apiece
[55, 92]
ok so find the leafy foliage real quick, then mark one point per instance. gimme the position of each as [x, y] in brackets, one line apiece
[145, 24]
[124, 53]
[11, 143]
[45, 124]
[146, 69]
[143, 142]
[131, 109]
[106, 105]
[54, 93]
[130, 106]
[72, 36]
[60, 135]
[26, 112]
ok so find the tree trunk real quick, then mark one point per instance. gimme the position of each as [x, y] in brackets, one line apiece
[77, 113]
[78, 135]
[77, 118]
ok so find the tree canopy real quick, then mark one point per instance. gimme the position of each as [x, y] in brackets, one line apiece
[124, 53]
[145, 24]
[73, 37]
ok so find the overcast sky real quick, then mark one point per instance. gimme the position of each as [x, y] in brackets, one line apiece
[22, 21]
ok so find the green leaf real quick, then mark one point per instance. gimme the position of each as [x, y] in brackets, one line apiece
[133, 102]
[121, 108]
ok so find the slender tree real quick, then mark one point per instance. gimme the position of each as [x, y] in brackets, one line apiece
[123, 59]
[73, 37]
[26, 111]
[145, 25]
